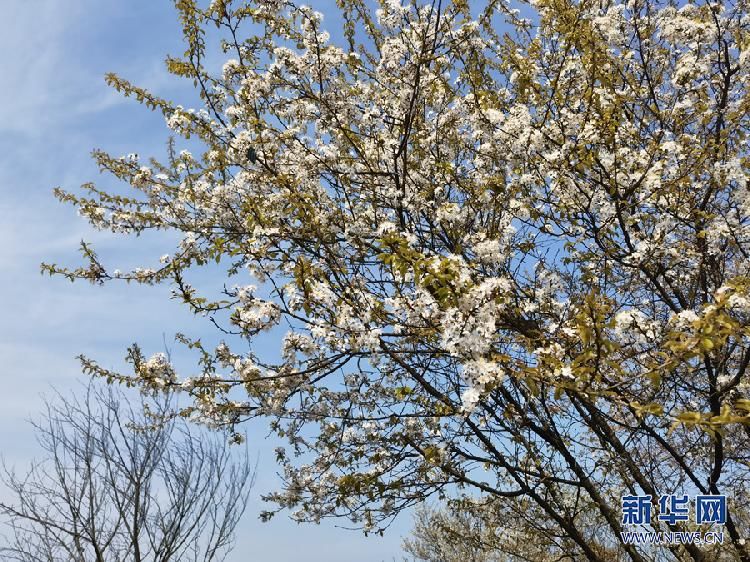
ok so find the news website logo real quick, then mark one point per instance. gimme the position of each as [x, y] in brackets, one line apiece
[673, 508]
[636, 510]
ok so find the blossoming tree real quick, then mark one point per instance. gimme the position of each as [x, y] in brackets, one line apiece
[504, 246]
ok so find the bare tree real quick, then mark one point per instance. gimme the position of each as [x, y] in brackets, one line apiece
[121, 482]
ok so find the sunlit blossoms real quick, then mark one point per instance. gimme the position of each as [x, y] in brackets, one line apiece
[501, 247]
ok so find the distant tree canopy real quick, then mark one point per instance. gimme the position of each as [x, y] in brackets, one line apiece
[502, 245]
[470, 531]
[446, 535]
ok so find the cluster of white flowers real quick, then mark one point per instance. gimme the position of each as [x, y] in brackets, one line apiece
[294, 343]
[391, 14]
[489, 251]
[230, 68]
[611, 24]
[157, 371]
[253, 313]
[684, 320]
[479, 374]
[471, 332]
[636, 325]
[178, 120]
[143, 177]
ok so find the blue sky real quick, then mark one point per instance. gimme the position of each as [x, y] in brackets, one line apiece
[54, 109]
